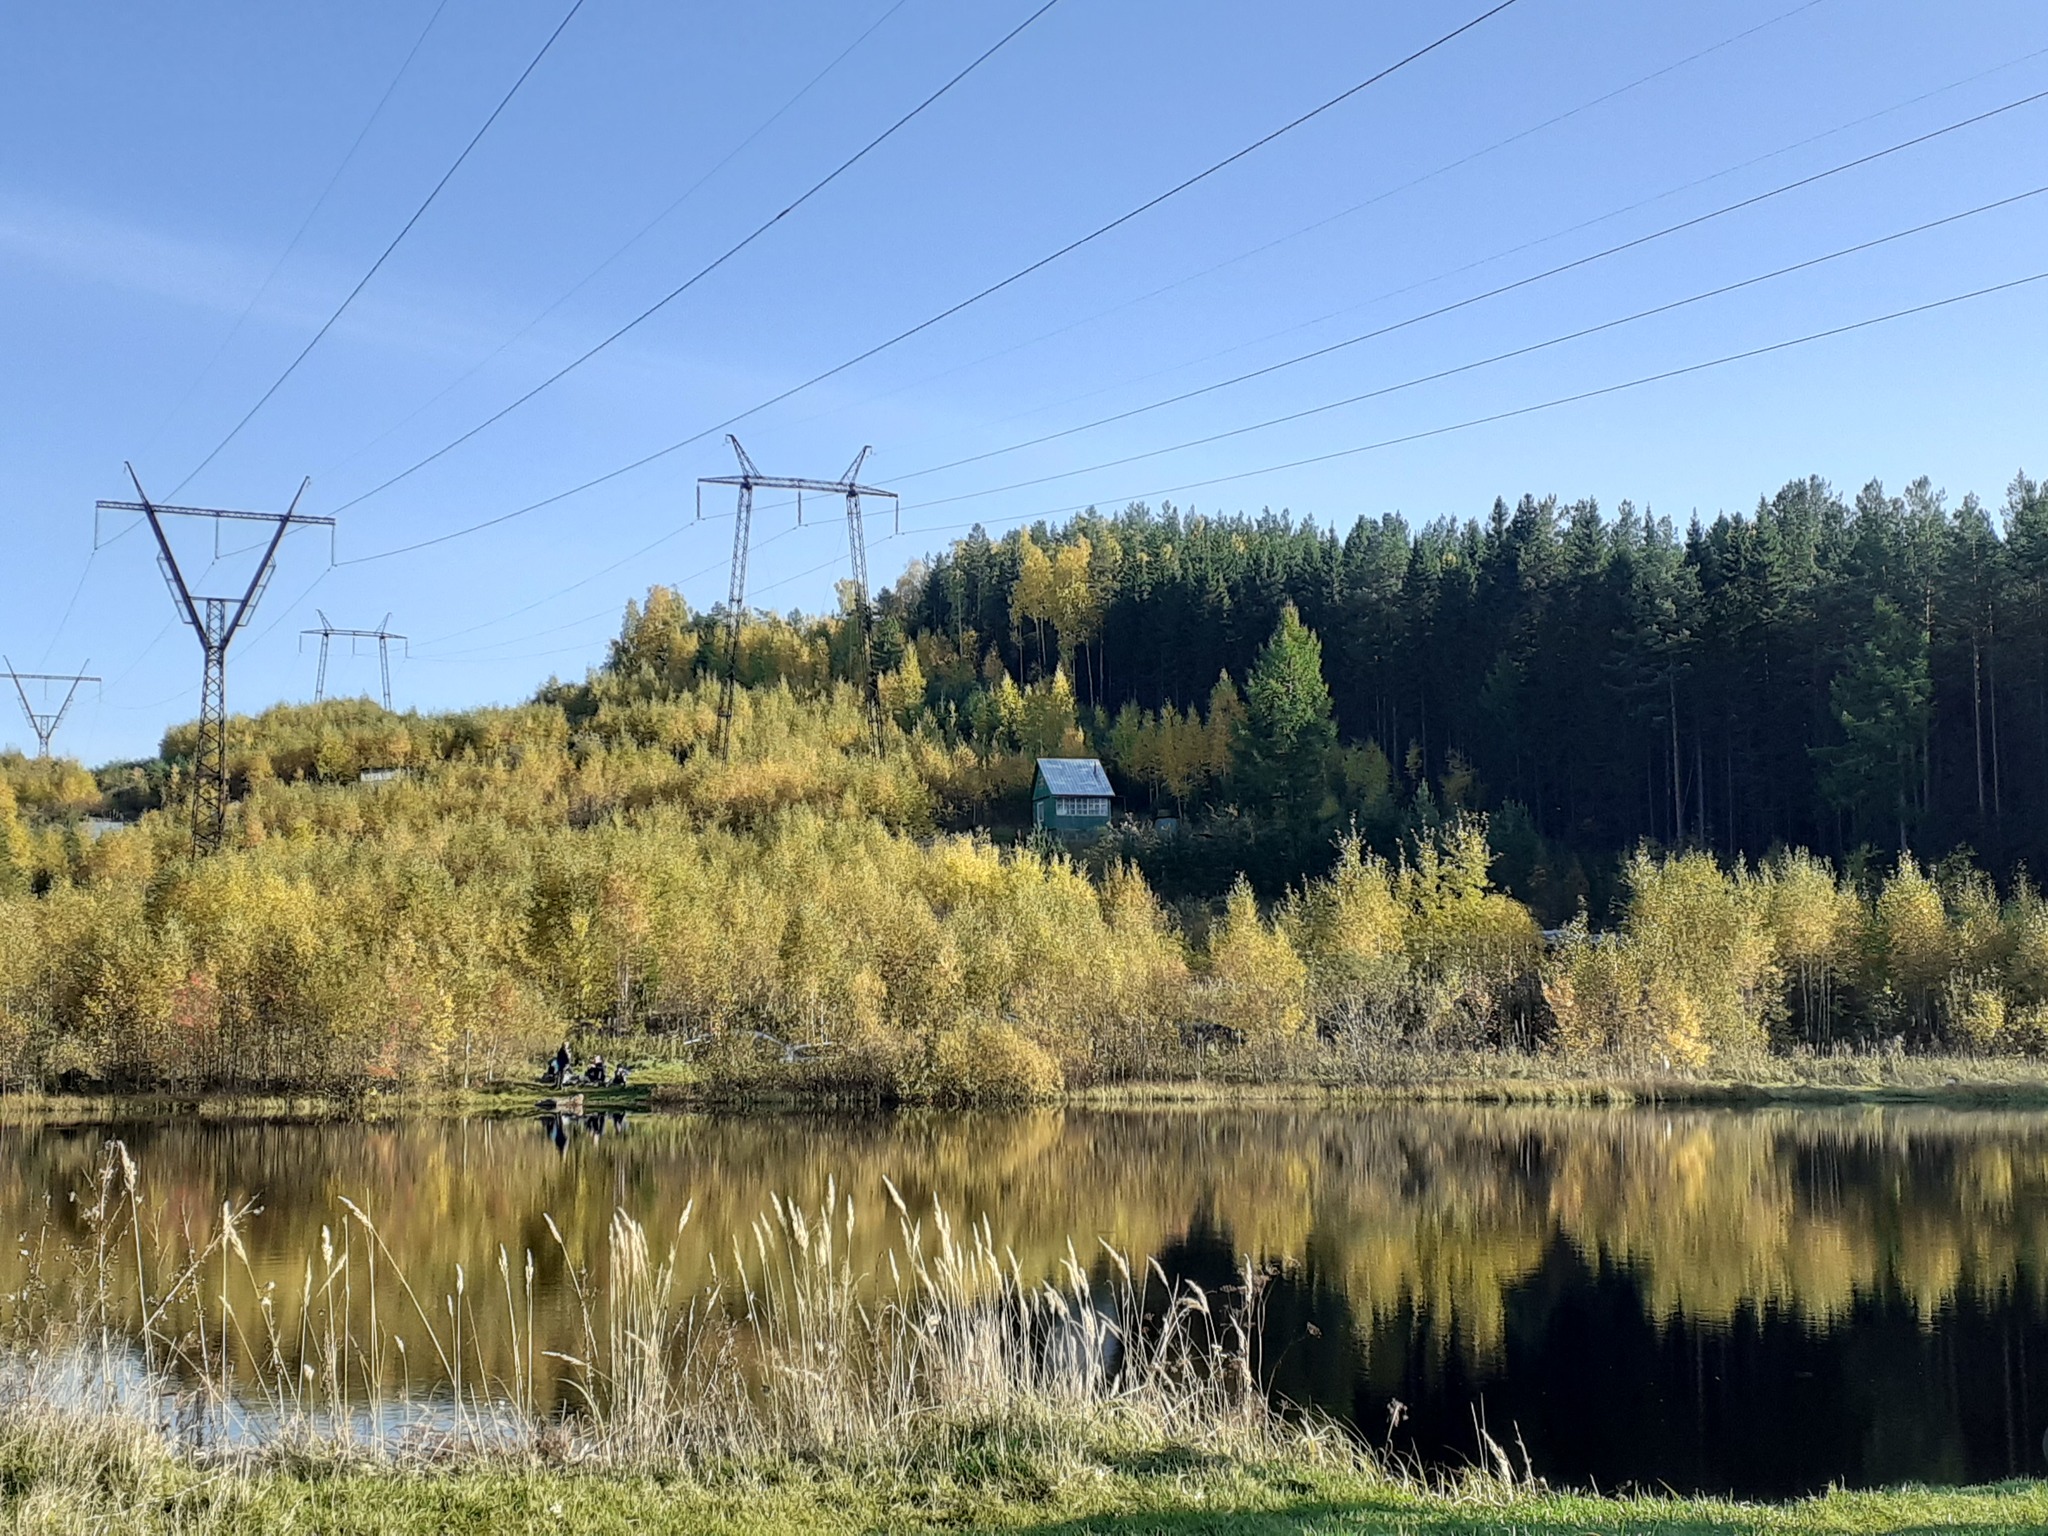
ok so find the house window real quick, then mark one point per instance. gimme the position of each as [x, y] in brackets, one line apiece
[1083, 805]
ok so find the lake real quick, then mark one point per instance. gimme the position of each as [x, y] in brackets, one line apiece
[1756, 1301]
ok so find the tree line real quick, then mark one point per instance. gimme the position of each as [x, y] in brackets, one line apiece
[1857, 676]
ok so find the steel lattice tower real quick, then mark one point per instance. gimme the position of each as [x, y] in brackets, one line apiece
[847, 485]
[382, 634]
[44, 722]
[216, 621]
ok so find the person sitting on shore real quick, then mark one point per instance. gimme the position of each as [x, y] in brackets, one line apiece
[597, 1073]
[619, 1077]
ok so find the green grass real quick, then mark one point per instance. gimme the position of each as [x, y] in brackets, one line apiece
[46, 1487]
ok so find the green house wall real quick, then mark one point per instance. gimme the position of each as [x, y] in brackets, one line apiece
[1045, 812]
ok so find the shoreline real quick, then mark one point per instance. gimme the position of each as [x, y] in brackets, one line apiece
[1930, 1082]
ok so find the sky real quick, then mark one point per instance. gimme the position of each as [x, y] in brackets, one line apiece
[188, 193]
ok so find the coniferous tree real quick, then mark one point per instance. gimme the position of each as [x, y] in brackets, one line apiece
[1280, 757]
[1880, 704]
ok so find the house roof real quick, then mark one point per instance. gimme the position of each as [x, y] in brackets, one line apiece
[1074, 776]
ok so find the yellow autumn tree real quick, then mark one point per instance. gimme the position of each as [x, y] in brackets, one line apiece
[1350, 930]
[1256, 986]
[1816, 923]
[1911, 948]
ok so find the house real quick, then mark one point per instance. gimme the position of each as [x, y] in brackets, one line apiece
[1070, 794]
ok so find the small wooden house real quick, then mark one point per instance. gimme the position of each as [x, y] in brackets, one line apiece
[1070, 794]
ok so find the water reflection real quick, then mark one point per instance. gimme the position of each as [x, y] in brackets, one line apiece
[1758, 1301]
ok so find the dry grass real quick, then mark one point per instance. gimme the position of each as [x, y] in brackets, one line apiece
[782, 1351]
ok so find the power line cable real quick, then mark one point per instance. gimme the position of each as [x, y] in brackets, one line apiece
[1491, 293]
[1508, 415]
[1500, 255]
[363, 282]
[65, 617]
[304, 224]
[1778, 191]
[1458, 426]
[923, 325]
[1406, 288]
[1499, 357]
[716, 262]
[1468, 424]
[1318, 409]
[644, 231]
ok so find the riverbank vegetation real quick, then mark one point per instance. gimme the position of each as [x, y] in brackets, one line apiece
[156, 1373]
[414, 901]
[63, 1478]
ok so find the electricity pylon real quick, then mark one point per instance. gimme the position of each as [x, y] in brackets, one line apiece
[848, 485]
[44, 722]
[216, 621]
[382, 635]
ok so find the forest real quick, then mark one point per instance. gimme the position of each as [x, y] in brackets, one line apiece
[1859, 677]
[1555, 785]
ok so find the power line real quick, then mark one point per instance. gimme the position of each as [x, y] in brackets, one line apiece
[1468, 424]
[304, 224]
[1321, 408]
[718, 261]
[1505, 415]
[406, 229]
[1490, 293]
[644, 231]
[1411, 287]
[1514, 352]
[1778, 191]
[923, 325]
[65, 617]
[1483, 261]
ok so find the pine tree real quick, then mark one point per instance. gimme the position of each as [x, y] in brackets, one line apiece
[1880, 701]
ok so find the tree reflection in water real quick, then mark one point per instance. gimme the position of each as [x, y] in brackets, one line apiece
[1758, 1301]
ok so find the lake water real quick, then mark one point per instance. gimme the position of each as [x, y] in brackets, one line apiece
[1762, 1302]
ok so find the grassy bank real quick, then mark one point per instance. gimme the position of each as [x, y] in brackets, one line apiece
[59, 1477]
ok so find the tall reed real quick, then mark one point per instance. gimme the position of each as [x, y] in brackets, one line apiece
[784, 1351]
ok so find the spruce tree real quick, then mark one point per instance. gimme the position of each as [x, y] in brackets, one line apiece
[1280, 756]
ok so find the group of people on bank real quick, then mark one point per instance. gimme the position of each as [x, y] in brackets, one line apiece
[562, 1071]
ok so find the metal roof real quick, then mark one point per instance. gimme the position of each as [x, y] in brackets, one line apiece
[1074, 776]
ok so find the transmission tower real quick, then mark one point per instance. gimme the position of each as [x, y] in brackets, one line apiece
[847, 485]
[381, 634]
[44, 722]
[216, 621]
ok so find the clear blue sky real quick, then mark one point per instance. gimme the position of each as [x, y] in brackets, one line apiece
[156, 162]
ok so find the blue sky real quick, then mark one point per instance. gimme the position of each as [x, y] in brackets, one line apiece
[157, 162]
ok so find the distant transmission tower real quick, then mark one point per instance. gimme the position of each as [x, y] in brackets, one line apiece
[848, 485]
[381, 634]
[44, 722]
[216, 621]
